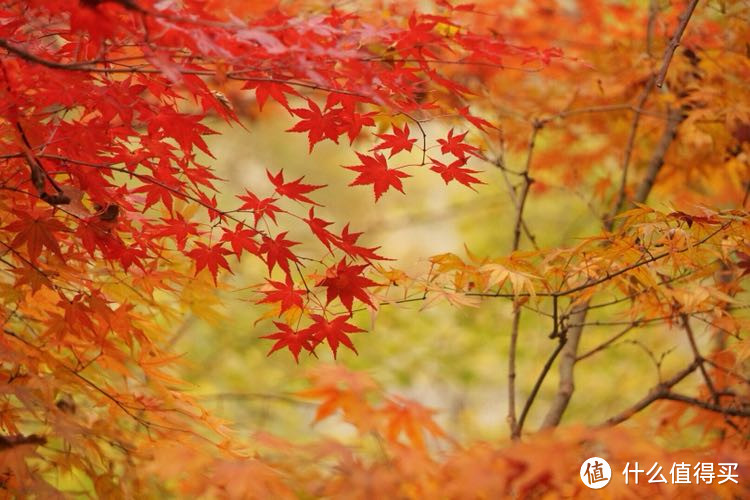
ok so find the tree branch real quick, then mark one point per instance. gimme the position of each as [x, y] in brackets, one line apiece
[726, 411]
[608, 342]
[657, 392]
[566, 384]
[675, 42]
[609, 224]
[7, 442]
[674, 118]
[515, 430]
[697, 356]
[539, 380]
[233, 75]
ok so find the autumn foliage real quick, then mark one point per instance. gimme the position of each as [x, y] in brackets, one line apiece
[111, 229]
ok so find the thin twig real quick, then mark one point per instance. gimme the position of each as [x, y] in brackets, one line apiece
[607, 343]
[233, 75]
[628, 153]
[657, 392]
[697, 356]
[727, 412]
[539, 380]
[527, 181]
[653, 10]
[675, 42]
[515, 430]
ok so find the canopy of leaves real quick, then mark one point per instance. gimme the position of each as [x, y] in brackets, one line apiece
[114, 226]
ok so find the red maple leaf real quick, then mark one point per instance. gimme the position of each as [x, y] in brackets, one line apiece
[744, 263]
[335, 331]
[480, 123]
[455, 145]
[295, 341]
[277, 251]
[264, 90]
[259, 207]
[397, 141]
[318, 126]
[347, 242]
[177, 227]
[284, 293]
[455, 172]
[294, 190]
[241, 238]
[374, 170]
[318, 227]
[211, 257]
[347, 283]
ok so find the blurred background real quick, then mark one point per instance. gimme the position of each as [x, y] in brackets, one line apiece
[449, 358]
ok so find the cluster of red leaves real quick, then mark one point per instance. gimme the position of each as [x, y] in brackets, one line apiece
[109, 219]
[91, 99]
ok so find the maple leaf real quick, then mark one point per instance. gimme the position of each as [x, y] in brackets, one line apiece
[318, 126]
[744, 263]
[209, 256]
[318, 227]
[339, 388]
[411, 418]
[260, 207]
[241, 238]
[264, 90]
[277, 251]
[455, 172]
[347, 242]
[455, 145]
[284, 293]
[347, 283]
[397, 141]
[294, 190]
[335, 331]
[295, 341]
[480, 123]
[374, 170]
[177, 227]
[37, 232]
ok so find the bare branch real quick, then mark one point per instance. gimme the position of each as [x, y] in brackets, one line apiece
[515, 430]
[628, 153]
[527, 181]
[608, 342]
[697, 356]
[724, 410]
[539, 380]
[566, 384]
[657, 392]
[7, 442]
[674, 118]
[675, 42]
